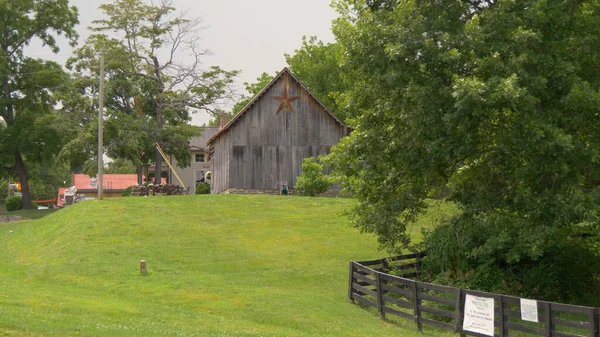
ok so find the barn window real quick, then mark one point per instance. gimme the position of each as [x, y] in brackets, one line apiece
[200, 158]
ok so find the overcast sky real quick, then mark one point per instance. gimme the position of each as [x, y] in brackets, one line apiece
[247, 35]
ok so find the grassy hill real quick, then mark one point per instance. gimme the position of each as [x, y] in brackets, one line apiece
[219, 265]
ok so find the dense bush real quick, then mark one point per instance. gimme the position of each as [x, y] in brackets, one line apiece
[3, 190]
[14, 203]
[312, 180]
[127, 191]
[203, 188]
[41, 190]
[477, 255]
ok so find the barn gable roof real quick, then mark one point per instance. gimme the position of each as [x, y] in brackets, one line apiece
[242, 112]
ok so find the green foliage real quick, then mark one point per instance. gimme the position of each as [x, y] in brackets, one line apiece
[30, 133]
[252, 89]
[459, 253]
[495, 105]
[13, 203]
[120, 166]
[41, 190]
[127, 191]
[3, 189]
[312, 180]
[150, 93]
[203, 188]
[321, 68]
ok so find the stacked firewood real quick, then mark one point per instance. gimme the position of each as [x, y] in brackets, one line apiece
[162, 189]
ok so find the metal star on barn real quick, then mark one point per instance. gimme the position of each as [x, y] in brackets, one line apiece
[286, 100]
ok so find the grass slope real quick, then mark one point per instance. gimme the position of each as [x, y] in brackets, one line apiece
[29, 213]
[219, 265]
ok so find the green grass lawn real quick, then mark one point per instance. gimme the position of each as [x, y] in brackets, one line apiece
[219, 265]
[30, 213]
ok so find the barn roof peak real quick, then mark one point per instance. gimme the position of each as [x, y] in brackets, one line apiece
[241, 113]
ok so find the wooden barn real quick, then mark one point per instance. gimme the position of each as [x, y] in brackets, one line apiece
[263, 146]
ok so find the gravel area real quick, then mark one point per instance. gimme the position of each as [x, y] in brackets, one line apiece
[10, 218]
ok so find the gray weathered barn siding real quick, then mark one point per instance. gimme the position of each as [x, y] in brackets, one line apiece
[197, 145]
[261, 148]
[220, 162]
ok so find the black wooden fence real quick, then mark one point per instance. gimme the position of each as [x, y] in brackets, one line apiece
[443, 307]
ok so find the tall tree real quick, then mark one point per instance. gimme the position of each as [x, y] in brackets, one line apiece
[497, 103]
[155, 40]
[129, 126]
[26, 97]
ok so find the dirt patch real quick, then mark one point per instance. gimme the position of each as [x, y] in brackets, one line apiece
[11, 218]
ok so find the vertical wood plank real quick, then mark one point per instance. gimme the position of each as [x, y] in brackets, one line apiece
[416, 303]
[462, 310]
[457, 311]
[351, 280]
[380, 303]
[593, 316]
[502, 327]
[548, 319]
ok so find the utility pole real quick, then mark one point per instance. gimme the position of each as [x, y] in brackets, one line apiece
[100, 182]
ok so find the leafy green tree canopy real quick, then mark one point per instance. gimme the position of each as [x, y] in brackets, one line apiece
[155, 78]
[494, 104]
[30, 133]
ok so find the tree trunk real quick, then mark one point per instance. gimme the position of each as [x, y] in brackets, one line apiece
[21, 172]
[139, 172]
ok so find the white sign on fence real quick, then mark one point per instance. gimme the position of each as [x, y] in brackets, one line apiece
[529, 310]
[479, 315]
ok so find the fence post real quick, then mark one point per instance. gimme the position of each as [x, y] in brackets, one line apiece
[501, 309]
[351, 280]
[417, 303]
[380, 304]
[548, 318]
[457, 310]
[418, 264]
[593, 322]
[596, 322]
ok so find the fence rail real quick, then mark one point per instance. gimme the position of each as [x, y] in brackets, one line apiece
[444, 307]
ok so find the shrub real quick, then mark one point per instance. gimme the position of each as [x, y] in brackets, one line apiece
[127, 192]
[478, 254]
[312, 180]
[203, 188]
[3, 189]
[40, 190]
[14, 203]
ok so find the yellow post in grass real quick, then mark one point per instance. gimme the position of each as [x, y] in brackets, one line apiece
[162, 153]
